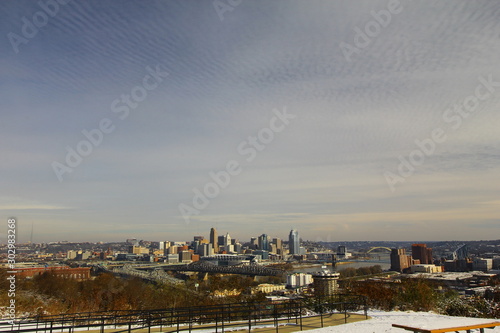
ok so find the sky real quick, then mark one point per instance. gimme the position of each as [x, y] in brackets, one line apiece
[157, 120]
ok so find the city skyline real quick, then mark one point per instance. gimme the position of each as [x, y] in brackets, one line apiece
[374, 120]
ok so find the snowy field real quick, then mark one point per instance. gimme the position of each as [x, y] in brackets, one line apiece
[381, 322]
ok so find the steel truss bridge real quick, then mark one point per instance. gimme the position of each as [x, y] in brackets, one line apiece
[155, 275]
[200, 266]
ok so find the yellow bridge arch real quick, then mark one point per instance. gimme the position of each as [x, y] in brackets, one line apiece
[379, 247]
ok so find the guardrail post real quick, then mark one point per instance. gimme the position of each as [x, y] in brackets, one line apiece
[300, 315]
[366, 307]
[189, 319]
[345, 312]
[275, 314]
[321, 316]
[287, 312]
[222, 318]
[295, 314]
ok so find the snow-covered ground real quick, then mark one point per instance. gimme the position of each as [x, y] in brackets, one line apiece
[381, 322]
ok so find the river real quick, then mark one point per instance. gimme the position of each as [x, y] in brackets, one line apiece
[379, 259]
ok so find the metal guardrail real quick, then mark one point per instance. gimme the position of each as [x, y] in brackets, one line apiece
[191, 318]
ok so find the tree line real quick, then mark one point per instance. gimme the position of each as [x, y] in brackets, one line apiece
[51, 294]
[362, 271]
[414, 294]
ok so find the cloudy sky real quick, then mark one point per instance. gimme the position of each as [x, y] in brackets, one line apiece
[365, 120]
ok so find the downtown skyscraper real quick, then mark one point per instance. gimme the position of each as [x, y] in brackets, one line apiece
[263, 242]
[214, 240]
[294, 242]
[422, 252]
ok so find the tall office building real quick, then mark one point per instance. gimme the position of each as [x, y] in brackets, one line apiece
[237, 247]
[264, 242]
[227, 240]
[205, 250]
[195, 246]
[279, 245]
[422, 252]
[214, 240]
[226, 243]
[400, 260]
[254, 244]
[293, 242]
[220, 241]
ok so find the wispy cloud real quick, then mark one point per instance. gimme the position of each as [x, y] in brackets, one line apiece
[10, 204]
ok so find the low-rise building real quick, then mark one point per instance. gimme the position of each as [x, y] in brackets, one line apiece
[482, 264]
[298, 280]
[172, 258]
[426, 268]
[79, 273]
[267, 288]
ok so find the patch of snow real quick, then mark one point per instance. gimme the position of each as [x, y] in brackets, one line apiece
[381, 322]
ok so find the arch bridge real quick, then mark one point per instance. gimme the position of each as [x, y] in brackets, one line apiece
[379, 247]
